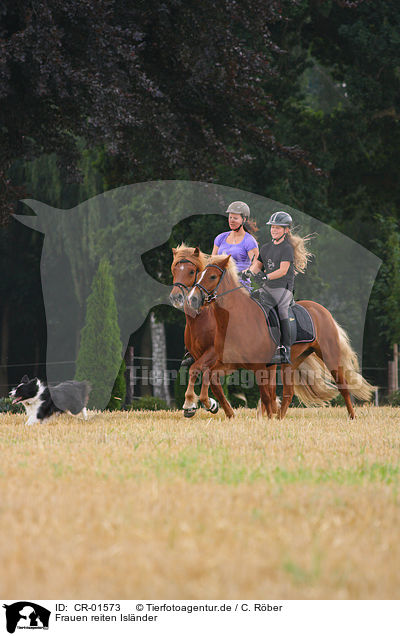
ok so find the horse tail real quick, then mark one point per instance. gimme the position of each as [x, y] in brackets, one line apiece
[357, 385]
[312, 382]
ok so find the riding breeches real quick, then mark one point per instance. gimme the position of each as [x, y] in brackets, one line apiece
[282, 298]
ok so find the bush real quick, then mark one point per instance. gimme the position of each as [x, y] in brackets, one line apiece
[118, 393]
[338, 400]
[149, 403]
[242, 383]
[394, 398]
[6, 406]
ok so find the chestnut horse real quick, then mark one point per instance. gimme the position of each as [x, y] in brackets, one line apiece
[242, 340]
[200, 329]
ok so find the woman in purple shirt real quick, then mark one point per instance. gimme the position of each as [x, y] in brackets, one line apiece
[238, 242]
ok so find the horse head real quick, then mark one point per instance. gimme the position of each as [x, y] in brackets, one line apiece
[187, 263]
[204, 290]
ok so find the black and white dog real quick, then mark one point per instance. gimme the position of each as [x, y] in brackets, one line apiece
[40, 402]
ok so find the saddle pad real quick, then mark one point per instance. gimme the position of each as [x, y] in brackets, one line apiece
[305, 331]
[272, 321]
[304, 324]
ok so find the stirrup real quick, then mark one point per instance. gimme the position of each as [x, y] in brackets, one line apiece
[285, 354]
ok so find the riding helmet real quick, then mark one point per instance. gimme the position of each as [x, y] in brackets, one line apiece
[239, 207]
[280, 218]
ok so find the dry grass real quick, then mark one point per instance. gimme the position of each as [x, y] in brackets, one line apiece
[145, 505]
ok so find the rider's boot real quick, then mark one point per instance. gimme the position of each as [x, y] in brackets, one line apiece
[285, 340]
[187, 360]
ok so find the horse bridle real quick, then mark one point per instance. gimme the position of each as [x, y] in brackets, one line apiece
[207, 296]
[182, 286]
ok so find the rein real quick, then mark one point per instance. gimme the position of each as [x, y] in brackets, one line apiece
[210, 296]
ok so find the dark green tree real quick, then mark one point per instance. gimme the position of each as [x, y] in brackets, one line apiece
[386, 297]
[118, 392]
[169, 89]
[100, 333]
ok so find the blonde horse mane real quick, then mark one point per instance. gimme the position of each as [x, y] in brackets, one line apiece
[192, 254]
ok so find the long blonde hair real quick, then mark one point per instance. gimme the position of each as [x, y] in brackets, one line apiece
[301, 254]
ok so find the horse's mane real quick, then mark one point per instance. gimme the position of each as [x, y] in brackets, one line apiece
[231, 270]
[183, 252]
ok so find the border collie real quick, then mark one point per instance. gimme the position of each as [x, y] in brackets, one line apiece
[40, 402]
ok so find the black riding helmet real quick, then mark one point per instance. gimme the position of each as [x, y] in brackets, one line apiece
[280, 218]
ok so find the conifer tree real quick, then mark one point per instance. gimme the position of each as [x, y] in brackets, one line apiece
[101, 333]
[118, 392]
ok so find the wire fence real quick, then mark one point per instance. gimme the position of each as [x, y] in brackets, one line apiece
[143, 373]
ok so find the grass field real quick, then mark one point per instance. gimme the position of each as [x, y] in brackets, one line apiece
[150, 505]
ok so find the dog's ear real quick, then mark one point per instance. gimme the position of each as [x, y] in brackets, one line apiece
[25, 379]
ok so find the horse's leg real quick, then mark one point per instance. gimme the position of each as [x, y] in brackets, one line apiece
[219, 393]
[287, 389]
[205, 362]
[272, 388]
[338, 376]
[265, 396]
[190, 403]
[202, 365]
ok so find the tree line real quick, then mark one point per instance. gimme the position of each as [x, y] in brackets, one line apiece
[294, 101]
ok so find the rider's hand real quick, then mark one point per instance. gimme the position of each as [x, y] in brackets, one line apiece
[260, 277]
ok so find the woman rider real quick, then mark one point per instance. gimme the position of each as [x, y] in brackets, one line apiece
[282, 258]
[239, 242]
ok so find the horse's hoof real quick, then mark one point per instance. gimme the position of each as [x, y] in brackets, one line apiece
[214, 406]
[189, 412]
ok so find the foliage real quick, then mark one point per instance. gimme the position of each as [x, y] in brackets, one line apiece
[241, 384]
[101, 332]
[118, 392]
[149, 403]
[120, 75]
[198, 88]
[387, 289]
[394, 398]
[6, 406]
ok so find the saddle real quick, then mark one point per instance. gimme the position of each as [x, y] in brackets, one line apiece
[301, 325]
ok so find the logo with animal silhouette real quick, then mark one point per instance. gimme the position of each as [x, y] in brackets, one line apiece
[26, 615]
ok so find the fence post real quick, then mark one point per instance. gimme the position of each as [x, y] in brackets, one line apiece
[390, 377]
[129, 375]
[393, 371]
